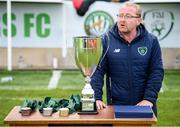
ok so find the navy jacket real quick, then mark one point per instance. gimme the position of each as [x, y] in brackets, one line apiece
[134, 71]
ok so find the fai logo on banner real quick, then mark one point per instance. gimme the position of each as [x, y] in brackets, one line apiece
[97, 23]
[142, 50]
[159, 22]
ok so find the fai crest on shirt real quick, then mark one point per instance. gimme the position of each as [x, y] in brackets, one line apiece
[142, 50]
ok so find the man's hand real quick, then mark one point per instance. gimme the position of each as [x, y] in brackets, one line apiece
[145, 103]
[100, 105]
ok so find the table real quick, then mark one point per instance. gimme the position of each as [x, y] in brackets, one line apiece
[105, 117]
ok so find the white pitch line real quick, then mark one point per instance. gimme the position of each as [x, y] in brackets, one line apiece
[163, 88]
[54, 79]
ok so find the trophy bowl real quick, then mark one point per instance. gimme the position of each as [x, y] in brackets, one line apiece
[88, 51]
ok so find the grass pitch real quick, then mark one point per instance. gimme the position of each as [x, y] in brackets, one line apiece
[34, 85]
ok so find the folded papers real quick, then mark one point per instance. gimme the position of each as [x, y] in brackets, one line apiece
[129, 111]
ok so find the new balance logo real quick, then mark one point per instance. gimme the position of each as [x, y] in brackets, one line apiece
[116, 50]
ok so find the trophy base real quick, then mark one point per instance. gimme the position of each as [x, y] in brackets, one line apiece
[84, 112]
[87, 112]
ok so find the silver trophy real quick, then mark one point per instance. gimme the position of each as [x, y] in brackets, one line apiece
[88, 51]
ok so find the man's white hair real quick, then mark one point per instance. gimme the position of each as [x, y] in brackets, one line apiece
[132, 4]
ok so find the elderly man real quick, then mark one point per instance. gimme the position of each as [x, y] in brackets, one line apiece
[131, 61]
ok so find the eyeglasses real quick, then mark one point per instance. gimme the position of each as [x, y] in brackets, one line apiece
[127, 16]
